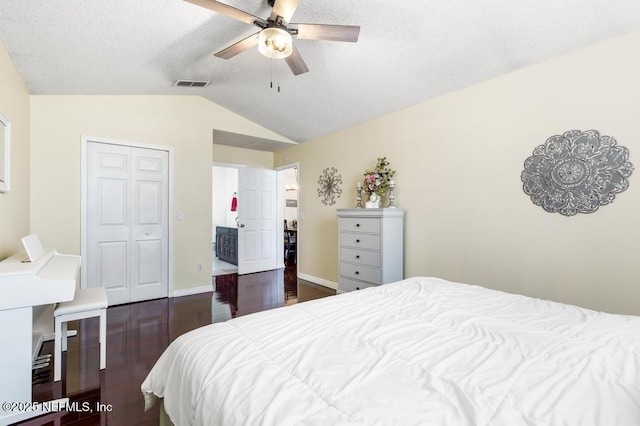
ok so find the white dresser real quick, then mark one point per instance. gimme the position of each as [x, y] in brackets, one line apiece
[370, 247]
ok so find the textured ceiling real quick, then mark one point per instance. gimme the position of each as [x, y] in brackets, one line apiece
[408, 51]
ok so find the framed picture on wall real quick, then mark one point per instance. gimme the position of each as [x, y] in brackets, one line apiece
[292, 203]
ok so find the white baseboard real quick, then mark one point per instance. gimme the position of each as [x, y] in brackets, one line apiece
[193, 290]
[318, 280]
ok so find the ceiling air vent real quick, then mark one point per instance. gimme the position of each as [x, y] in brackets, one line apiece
[191, 83]
[200, 84]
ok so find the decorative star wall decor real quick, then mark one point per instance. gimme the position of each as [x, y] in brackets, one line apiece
[576, 172]
[329, 186]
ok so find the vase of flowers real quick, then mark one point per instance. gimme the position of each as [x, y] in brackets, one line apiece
[376, 182]
[374, 201]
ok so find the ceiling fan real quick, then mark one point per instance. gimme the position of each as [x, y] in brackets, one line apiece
[274, 39]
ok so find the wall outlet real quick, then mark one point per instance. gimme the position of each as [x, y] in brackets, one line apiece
[199, 267]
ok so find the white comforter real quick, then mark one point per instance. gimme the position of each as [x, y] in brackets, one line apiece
[423, 351]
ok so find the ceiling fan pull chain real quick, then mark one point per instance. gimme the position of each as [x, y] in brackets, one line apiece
[277, 79]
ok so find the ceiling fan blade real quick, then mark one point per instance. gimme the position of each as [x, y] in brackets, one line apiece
[327, 32]
[296, 63]
[230, 11]
[239, 47]
[284, 8]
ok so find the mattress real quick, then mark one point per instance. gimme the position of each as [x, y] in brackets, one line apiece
[422, 351]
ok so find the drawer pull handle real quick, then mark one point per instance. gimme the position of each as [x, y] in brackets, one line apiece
[357, 256]
[357, 241]
[357, 225]
[357, 288]
[357, 272]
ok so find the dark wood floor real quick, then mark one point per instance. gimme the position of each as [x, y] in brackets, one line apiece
[136, 336]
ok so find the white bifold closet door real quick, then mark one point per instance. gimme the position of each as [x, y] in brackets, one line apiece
[127, 221]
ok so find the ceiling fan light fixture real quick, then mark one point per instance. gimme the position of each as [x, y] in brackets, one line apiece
[275, 43]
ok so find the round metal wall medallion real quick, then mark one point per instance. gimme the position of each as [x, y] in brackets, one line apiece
[576, 172]
[329, 182]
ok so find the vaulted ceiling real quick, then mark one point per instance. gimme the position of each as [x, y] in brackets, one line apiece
[408, 51]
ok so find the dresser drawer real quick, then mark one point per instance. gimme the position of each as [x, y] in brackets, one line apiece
[355, 240]
[360, 272]
[362, 257]
[350, 285]
[360, 224]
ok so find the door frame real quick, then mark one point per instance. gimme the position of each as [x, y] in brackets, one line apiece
[85, 140]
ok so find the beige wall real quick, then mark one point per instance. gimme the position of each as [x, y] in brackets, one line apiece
[14, 205]
[459, 159]
[184, 123]
[246, 157]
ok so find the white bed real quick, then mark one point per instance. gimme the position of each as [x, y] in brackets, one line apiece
[421, 351]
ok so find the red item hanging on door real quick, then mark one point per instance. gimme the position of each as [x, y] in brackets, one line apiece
[234, 203]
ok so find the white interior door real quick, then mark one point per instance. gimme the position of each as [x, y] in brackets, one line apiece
[127, 221]
[257, 240]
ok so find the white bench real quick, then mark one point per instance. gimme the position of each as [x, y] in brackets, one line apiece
[86, 303]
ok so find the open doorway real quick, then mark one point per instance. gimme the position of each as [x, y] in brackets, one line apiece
[246, 238]
[224, 220]
[288, 178]
[227, 218]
